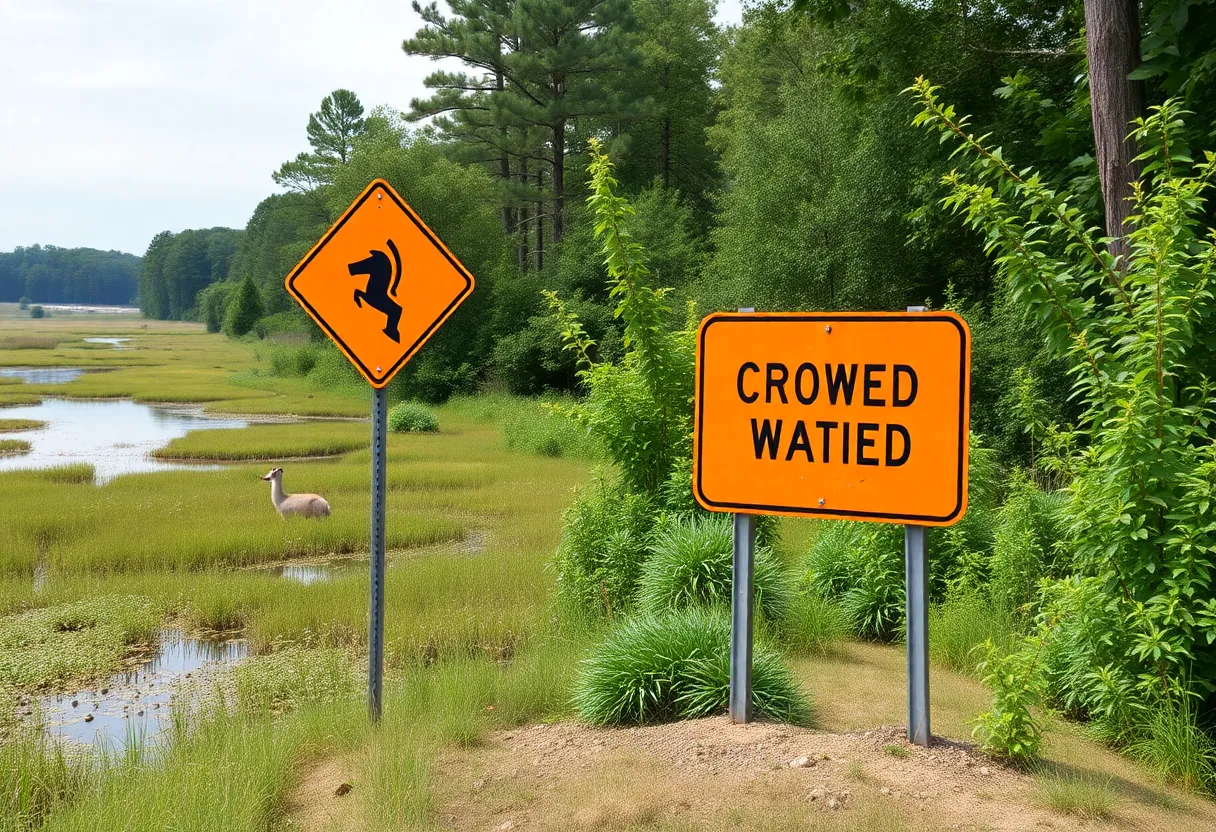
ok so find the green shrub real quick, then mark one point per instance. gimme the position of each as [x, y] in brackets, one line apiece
[1024, 543]
[605, 541]
[677, 666]
[691, 564]
[813, 623]
[37, 312]
[412, 417]
[961, 624]
[289, 361]
[244, 308]
[1009, 730]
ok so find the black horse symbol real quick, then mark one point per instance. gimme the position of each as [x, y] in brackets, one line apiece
[380, 273]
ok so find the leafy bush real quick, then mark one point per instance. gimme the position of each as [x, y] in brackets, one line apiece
[641, 407]
[691, 564]
[412, 417]
[1141, 464]
[1008, 730]
[37, 312]
[1024, 542]
[212, 302]
[677, 666]
[605, 541]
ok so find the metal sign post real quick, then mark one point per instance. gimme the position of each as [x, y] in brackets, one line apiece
[916, 576]
[379, 310]
[741, 598]
[375, 635]
[916, 614]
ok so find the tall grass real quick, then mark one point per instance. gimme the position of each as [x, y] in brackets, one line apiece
[1174, 744]
[269, 442]
[677, 666]
[961, 624]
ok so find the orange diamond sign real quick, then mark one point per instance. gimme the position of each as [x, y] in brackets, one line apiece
[379, 283]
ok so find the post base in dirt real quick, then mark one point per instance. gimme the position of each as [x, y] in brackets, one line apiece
[375, 636]
[917, 613]
[741, 618]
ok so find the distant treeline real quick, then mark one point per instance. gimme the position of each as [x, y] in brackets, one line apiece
[49, 274]
[177, 267]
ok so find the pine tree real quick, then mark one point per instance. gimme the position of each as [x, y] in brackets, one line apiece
[244, 309]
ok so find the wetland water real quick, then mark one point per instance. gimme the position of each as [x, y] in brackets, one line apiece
[116, 343]
[42, 375]
[137, 703]
[114, 436]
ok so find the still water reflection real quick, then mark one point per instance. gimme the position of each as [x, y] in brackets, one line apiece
[42, 375]
[115, 437]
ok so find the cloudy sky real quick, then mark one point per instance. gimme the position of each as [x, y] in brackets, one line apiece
[122, 118]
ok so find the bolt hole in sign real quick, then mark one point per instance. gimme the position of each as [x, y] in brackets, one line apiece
[379, 283]
[853, 416]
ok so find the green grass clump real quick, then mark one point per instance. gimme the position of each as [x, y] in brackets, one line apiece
[13, 446]
[412, 417]
[1173, 743]
[269, 442]
[963, 623]
[690, 564]
[535, 428]
[49, 647]
[15, 425]
[677, 666]
[895, 750]
[813, 623]
[75, 473]
[1082, 796]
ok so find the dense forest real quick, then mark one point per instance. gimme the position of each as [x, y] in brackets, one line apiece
[49, 274]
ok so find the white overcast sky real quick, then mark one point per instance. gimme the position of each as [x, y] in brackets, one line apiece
[122, 118]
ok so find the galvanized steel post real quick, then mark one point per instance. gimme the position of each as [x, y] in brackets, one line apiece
[375, 636]
[917, 588]
[741, 618]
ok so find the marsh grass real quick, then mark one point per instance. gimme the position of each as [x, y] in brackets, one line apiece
[30, 341]
[1173, 744]
[269, 442]
[37, 775]
[15, 425]
[13, 446]
[813, 624]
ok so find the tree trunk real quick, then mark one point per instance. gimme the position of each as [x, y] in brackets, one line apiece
[1112, 47]
[522, 226]
[540, 223]
[504, 164]
[558, 181]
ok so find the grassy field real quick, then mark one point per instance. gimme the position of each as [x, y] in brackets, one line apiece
[89, 574]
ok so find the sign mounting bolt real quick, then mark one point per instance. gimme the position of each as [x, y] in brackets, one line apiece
[821, 501]
[828, 329]
[379, 370]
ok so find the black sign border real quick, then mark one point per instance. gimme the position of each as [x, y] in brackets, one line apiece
[913, 317]
[381, 187]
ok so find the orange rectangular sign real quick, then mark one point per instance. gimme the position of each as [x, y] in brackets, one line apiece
[855, 416]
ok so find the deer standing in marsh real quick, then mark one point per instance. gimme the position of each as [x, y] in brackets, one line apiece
[300, 505]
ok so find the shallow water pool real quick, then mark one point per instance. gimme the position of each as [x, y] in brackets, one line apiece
[114, 436]
[43, 375]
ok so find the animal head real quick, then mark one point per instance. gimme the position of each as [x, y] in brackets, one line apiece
[274, 474]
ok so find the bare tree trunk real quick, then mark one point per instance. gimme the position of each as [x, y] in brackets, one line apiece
[504, 169]
[1112, 46]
